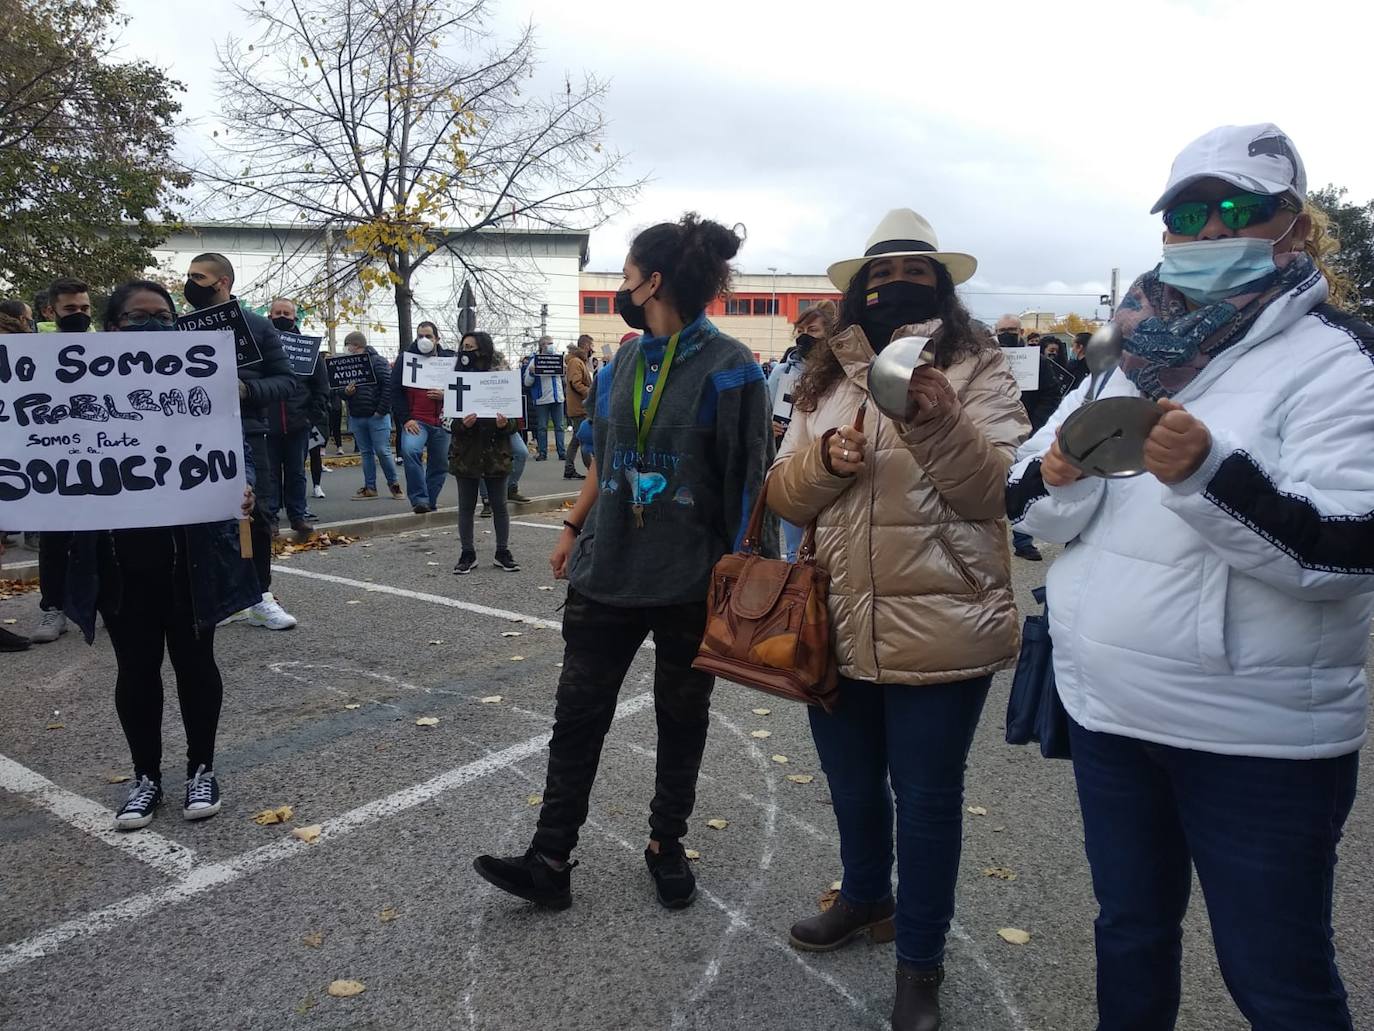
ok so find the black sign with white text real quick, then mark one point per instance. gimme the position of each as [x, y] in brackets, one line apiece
[548, 365]
[347, 369]
[226, 316]
[302, 351]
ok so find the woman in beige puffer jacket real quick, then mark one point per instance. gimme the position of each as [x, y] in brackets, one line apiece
[910, 526]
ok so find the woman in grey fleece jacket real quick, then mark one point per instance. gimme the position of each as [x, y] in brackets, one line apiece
[679, 426]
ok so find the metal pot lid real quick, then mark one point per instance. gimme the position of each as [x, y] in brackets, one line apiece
[889, 375]
[1107, 438]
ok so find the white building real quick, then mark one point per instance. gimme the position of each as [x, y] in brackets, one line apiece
[526, 281]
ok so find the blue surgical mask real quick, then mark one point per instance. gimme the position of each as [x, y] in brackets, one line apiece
[1208, 271]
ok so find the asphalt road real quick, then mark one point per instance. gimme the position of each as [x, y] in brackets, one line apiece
[226, 924]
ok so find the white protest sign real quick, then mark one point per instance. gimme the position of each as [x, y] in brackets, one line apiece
[787, 385]
[1025, 366]
[119, 430]
[433, 373]
[483, 394]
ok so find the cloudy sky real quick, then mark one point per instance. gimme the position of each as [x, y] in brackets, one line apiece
[1034, 136]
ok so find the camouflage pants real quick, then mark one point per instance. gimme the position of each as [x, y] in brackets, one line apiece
[601, 643]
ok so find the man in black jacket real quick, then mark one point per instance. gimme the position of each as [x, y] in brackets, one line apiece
[289, 423]
[210, 281]
[369, 416]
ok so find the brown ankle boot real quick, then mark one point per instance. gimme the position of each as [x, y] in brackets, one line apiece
[843, 922]
[918, 999]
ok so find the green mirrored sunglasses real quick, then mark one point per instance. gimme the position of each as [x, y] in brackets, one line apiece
[1238, 212]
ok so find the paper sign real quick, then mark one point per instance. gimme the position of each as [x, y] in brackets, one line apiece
[346, 369]
[432, 373]
[302, 351]
[787, 385]
[121, 430]
[548, 365]
[226, 316]
[316, 439]
[1025, 366]
[483, 394]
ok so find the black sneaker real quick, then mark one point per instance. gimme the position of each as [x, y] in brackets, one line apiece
[1030, 553]
[202, 795]
[528, 877]
[486, 511]
[467, 562]
[674, 881]
[514, 495]
[137, 810]
[505, 560]
[572, 474]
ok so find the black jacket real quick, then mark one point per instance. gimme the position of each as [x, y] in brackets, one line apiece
[308, 406]
[372, 398]
[269, 380]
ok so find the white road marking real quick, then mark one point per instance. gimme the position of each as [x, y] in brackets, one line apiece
[211, 875]
[537, 526]
[94, 819]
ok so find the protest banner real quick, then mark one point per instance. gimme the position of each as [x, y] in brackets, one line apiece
[121, 430]
[226, 316]
[787, 385]
[301, 351]
[483, 394]
[347, 369]
[548, 365]
[432, 373]
[1025, 366]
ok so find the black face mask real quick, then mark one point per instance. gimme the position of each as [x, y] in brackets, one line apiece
[893, 305]
[804, 343]
[197, 295]
[76, 322]
[465, 359]
[1008, 338]
[281, 322]
[632, 313]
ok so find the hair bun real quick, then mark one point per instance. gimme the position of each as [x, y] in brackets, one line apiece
[711, 237]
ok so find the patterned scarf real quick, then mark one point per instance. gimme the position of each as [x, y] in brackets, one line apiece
[1166, 345]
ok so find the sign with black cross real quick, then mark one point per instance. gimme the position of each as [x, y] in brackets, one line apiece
[483, 394]
[786, 396]
[421, 373]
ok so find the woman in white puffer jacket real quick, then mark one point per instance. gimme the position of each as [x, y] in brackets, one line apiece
[1211, 619]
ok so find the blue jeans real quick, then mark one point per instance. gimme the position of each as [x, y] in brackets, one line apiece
[791, 539]
[1262, 835]
[918, 739]
[424, 481]
[1021, 540]
[373, 437]
[286, 473]
[542, 414]
[519, 455]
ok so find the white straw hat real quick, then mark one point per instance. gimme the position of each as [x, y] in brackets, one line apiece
[903, 233]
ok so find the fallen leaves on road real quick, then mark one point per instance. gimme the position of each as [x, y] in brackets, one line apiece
[14, 588]
[437, 640]
[718, 825]
[346, 989]
[836, 885]
[431, 563]
[762, 712]
[270, 816]
[309, 835]
[492, 699]
[517, 658]
[977, 810]
[998, 830]
[828, 897]
[117, 778]
[57, 726]
[545, 587]
[284, 546]
[1014, 936]
[11, 622]
[353, 705]
[427, 721]
[780, 759]
[512, 633]
[535, 800]
[761, 734]
[387, 915]
[353, 601]
[800, 778]
[691, 854]
[314, 939]
[1002, 873]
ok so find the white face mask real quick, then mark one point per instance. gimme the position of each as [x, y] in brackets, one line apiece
[424, 345]
[1208, 271]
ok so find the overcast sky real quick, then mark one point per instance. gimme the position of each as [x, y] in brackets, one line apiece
[1034, 136]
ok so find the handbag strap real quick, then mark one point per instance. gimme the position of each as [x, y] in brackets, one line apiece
[806, 554]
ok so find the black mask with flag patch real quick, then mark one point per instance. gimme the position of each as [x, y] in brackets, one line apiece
[890, 306]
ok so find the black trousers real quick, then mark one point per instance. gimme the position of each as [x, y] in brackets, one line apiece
[601, 643]
[152, 612]
[264, 512]
[52, 569]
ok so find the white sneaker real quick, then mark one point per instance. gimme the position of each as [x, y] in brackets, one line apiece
[52, 626]
[269, 613]
[327, 468]
[238, 616]
[319, 491]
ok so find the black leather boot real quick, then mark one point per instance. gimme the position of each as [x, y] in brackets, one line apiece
[842, 923]
[918, 999]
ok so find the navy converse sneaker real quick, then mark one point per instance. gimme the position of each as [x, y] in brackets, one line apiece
[202, 795]
[137, 810]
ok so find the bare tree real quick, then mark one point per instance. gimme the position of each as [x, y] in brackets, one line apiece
[399, 129]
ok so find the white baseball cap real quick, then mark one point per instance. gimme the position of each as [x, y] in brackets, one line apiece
[1259, 158]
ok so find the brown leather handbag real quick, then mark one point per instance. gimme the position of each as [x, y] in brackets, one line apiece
[768, 622]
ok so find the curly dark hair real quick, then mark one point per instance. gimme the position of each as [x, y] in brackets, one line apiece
[693, 257]
[960, 335]
[486, 349]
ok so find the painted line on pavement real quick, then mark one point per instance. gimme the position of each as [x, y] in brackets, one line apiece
[202, 879]
[94, 819]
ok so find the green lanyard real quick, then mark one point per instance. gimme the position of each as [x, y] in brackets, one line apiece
[644, 421]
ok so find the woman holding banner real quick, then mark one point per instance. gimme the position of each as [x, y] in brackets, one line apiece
[162, 588]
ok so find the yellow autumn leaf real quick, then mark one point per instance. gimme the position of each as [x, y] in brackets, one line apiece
[57, 726]
[836, 885]
[346, 989]
[427, 721]
[439, 640]
[387, 915]
[780, 759]
[691, 854]
[517, 658]
[280, 814]
[535, 800]
[353, 705]
[762, 712]
[1001, 873]
[314, 939]
[309, 835]
[828, 897]
[492, 699]
[1014, 936]
[761, 734]
[977, 810]
[11, 622]
[117, 778]
[718, 825]
[354, 601]
[512, 633]
[800, 778]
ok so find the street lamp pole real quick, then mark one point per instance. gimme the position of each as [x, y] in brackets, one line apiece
[772, 310]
